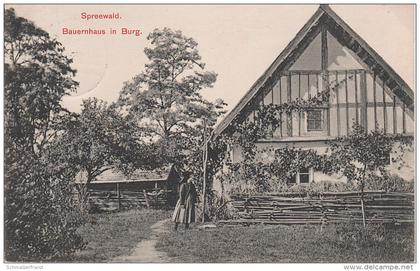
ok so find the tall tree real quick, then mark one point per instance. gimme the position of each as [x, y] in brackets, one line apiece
[40, 222]
[37, 76]
[165, 98]
[100, 138]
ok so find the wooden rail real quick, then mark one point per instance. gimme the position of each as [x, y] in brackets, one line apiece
[319, 208]
[112, 200]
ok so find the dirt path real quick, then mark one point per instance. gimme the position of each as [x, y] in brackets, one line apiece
[145, 251]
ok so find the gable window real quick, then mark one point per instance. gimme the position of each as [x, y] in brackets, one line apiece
[314, 120]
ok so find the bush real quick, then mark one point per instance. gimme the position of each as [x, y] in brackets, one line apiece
[219, 207]
[40, 219]
[322, 186]
[390, 183]
[259, 178]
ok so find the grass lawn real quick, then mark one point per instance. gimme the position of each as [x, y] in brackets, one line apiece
[295, 244]
[114, 234]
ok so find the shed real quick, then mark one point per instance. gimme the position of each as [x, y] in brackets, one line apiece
[156, 187]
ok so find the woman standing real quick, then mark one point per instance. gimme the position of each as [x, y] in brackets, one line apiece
[185, 207]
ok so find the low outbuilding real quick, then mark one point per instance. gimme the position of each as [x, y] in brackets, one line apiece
[142, 188]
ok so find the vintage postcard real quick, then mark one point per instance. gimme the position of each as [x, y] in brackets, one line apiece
[198, 133]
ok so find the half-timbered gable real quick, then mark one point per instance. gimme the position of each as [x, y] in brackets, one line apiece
[327, 54]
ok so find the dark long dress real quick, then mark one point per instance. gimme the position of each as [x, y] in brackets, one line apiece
[190, 204]
[185, 207]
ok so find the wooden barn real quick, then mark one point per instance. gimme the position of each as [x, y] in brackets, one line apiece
[327, 51]
[143, 188]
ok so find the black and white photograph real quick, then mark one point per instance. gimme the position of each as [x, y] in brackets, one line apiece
[209, 133]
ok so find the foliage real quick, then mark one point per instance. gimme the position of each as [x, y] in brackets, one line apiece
[274, 173]
[359, 156]
[362, 155]
[250, 178]
[166, 98]
[37, 76]
[268, 117]
[219, 207]
[40, 221]
[390, 183]
[288, 161]
[100, 138]
[321, 186]
[253, 175]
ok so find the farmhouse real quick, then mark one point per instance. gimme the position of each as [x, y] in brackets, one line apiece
[367, 91]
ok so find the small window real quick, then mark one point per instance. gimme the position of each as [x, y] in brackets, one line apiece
[304, 175]
[314, 120]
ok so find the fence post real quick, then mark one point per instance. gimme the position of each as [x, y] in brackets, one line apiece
[146, 199]
[363, 213]
[119, 196]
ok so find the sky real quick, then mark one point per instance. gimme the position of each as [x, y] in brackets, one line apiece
[238, 42]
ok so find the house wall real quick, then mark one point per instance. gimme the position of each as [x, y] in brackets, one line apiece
[403, 166]
[357, 96]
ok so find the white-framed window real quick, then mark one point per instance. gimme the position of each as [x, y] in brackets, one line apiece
[315, 120]
[304, 176]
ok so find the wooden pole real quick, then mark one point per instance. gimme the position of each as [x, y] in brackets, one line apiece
[204, 172]
[363, 213]
[146, 199]
[119, 196]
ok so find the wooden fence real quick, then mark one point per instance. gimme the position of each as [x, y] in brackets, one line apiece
[327, 207]
[107, 201]
[112, 200]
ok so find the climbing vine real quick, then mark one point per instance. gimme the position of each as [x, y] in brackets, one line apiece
[262, 170]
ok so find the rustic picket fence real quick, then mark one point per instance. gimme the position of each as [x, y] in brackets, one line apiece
[322, 208]
[112, 200]
[108, 201]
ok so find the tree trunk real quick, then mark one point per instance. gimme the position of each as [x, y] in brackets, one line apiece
[204, 173]
[82, 197]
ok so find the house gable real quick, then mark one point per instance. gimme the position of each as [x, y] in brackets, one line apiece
[340, 57]
[310, 59]
[327, 45]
